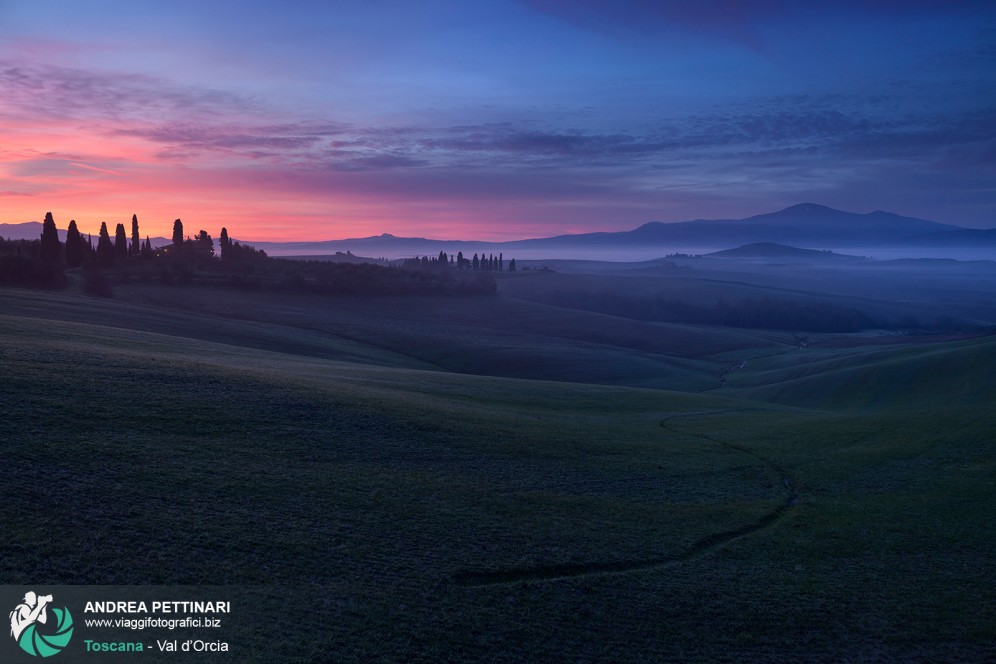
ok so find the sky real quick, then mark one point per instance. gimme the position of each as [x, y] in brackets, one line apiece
[491, 120]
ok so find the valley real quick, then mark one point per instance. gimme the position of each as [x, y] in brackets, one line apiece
[472, 475]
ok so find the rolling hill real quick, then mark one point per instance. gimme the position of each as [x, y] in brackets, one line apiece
[351, 453]
[772, 250]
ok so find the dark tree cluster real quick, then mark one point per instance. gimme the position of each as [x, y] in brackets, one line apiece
[199, 246]
[489, 263]
[369, 279]
[39, 263]
[42, 262]
[22, 263]
[236, 252]
[440, 262]
[192, 260]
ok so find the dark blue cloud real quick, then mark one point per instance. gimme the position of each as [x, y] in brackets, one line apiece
[736, 18]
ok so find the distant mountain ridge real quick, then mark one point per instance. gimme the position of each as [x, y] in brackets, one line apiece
[31, 230]
[803, 225]
[810, 215]
[806, 223]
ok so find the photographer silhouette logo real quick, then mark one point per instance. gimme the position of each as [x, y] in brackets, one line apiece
[30, 626]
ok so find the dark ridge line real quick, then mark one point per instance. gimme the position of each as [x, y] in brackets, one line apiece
[700, 547]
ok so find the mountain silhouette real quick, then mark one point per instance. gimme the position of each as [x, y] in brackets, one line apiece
[804, 225]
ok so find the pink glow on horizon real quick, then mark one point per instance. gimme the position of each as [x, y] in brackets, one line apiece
[95, 177]
[307, 121]
[94, 174]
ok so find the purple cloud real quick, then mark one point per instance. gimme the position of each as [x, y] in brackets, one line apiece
[287, 137]
[62, 93]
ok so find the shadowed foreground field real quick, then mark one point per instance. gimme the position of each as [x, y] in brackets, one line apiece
[350, 453]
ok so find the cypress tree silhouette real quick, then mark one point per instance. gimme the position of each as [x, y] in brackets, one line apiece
[177, 232]
[120, 242]
[147, 248]
[476, 263]
[136, 239]
[105, 250]
[224, 242]
[51, 248]
[511, 265]
[74, 245]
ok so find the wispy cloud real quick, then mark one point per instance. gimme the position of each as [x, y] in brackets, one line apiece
[248, 139]
[186, 121]
[63, 93]
[93, 134]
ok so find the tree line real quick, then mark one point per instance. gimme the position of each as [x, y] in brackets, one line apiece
[80, 251]
[192, 260]
[489, 263]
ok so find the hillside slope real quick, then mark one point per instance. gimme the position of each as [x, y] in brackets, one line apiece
[897, 378]
[434, 515]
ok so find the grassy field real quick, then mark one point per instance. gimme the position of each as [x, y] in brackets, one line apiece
[491, 480]
[893, 293]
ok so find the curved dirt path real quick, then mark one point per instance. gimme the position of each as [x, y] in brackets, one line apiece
[700, 547]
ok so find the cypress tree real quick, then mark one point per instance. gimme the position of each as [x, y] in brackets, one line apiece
[74, 245]
[136, 239]
[476, 263]
[177, 232]
[224, 242]
[147, 248]
[105, 250]
[120, 242]
[51, 248]
[511, 265]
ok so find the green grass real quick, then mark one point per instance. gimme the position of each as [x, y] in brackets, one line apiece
[295, 452]
[873, 378]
